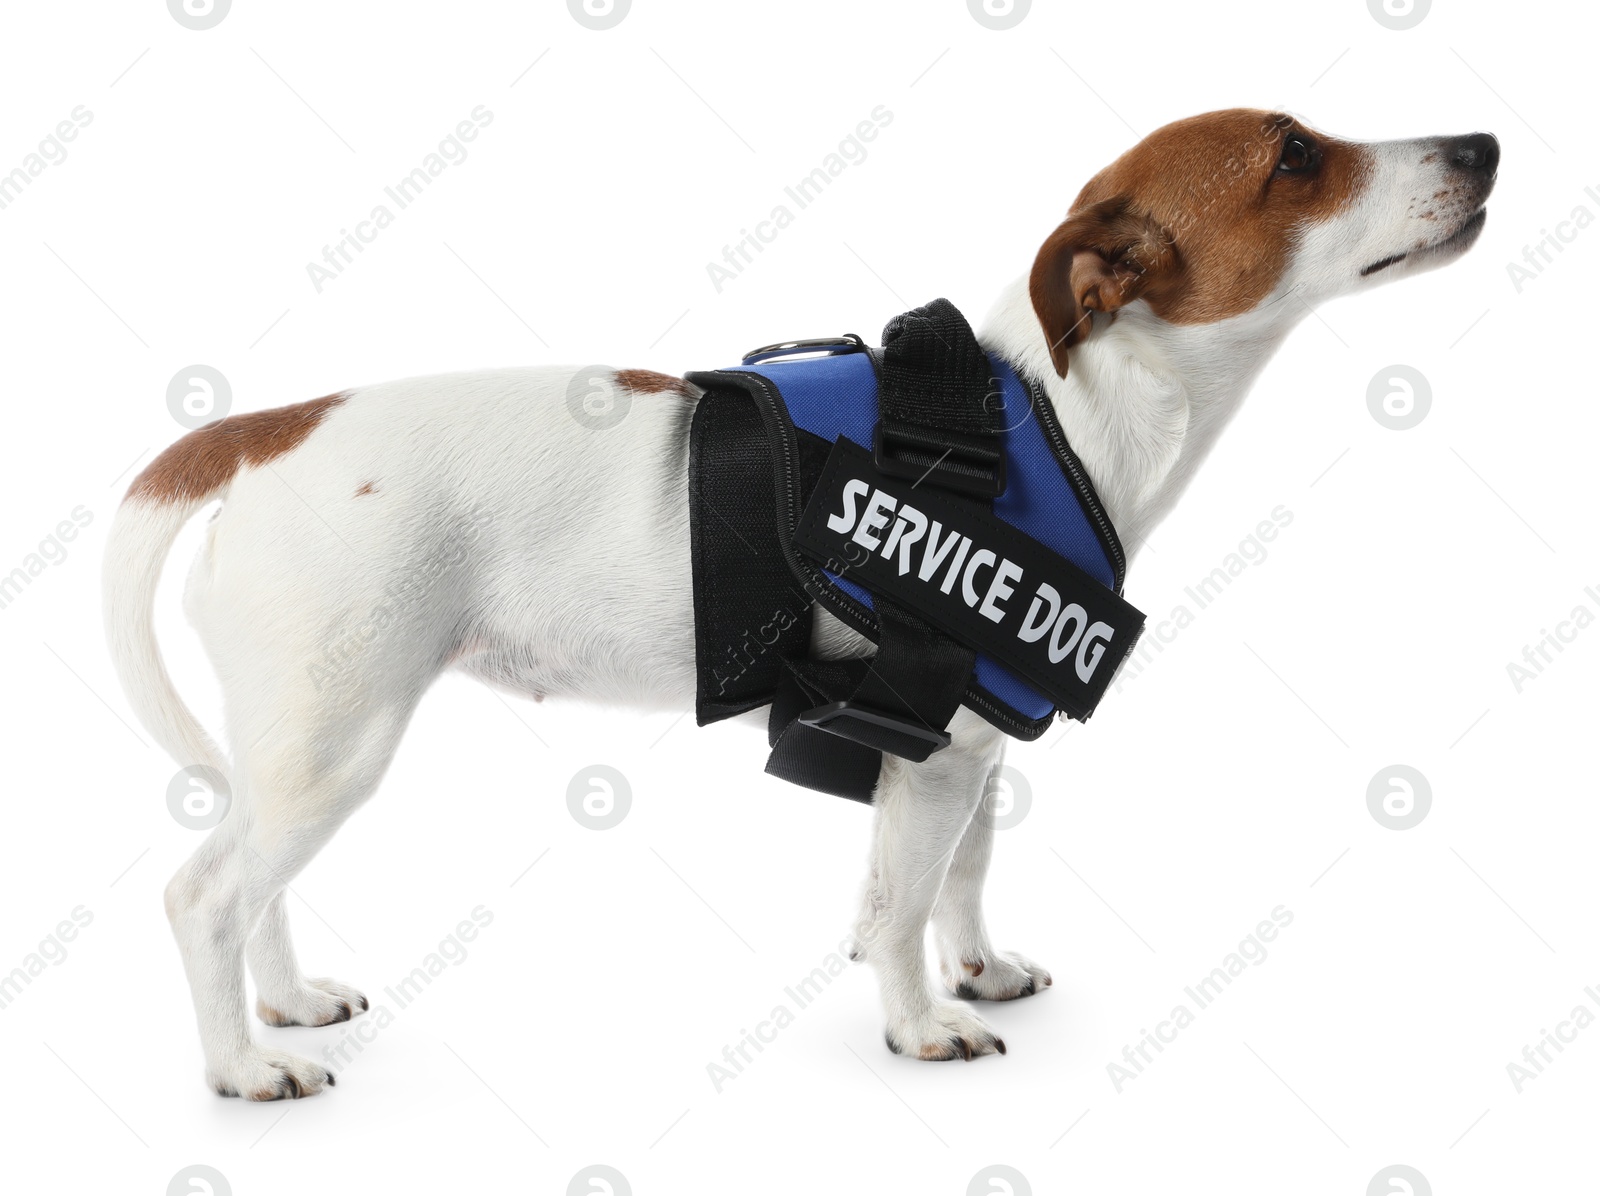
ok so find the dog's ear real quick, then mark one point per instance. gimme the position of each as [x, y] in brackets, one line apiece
[1103, 257]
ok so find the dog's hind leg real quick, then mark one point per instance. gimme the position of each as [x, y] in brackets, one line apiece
[292, 788]
[971, 967]
[284, 995]
[922, 812]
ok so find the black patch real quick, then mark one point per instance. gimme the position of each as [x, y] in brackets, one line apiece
[984, 582]
[1383, 264]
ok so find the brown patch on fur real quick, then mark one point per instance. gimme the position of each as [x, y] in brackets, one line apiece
[650, 382]
[1101, 258]
[270, 1015]
[975, 968]
[206, 459]
[366, 488]
[1195, 219]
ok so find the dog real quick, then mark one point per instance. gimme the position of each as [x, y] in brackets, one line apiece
[1147, 314]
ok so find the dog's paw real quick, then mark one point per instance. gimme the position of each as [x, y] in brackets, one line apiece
[265, 1074]
[319, 1002]
[1004, 976]
[948, 1030]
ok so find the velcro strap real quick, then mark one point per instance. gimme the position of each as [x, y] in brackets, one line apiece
[832, 720]
[969, 574]
[749, 611]
[940, 418]
[935, 376]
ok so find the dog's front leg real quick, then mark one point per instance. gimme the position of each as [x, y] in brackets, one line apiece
[971, 966]
[922, 812]
[284, 995]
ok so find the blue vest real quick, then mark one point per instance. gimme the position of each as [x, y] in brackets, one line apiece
[812, 396]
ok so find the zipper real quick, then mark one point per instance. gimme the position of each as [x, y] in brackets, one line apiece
[1080, 482]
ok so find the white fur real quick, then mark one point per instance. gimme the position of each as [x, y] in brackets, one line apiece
[327, 614]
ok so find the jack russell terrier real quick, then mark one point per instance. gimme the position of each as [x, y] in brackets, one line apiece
[1148, 313]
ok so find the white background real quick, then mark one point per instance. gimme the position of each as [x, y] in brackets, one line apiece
[1229, 778]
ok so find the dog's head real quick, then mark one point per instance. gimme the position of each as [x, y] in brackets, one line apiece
[1210, 217]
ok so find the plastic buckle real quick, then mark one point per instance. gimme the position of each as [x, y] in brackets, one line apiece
[875, 729]
[849, 342]
[963, 465]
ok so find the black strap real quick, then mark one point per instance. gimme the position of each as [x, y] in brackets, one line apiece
[832, 720]
[940, 423]
[749, 611]
[940, 419]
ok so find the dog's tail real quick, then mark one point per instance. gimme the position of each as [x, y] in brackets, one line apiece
[197, 470]
[141, 537]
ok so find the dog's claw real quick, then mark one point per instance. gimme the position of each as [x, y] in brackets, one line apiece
[268, 1075]
[1008, 977]
[946, 1031]
[319, 1002]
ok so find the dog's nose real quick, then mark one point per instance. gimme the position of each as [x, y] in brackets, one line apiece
[1476, 151]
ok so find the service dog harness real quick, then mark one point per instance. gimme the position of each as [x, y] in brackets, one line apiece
[926, 496]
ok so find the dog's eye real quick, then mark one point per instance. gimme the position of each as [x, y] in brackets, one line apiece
[1300, 154]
